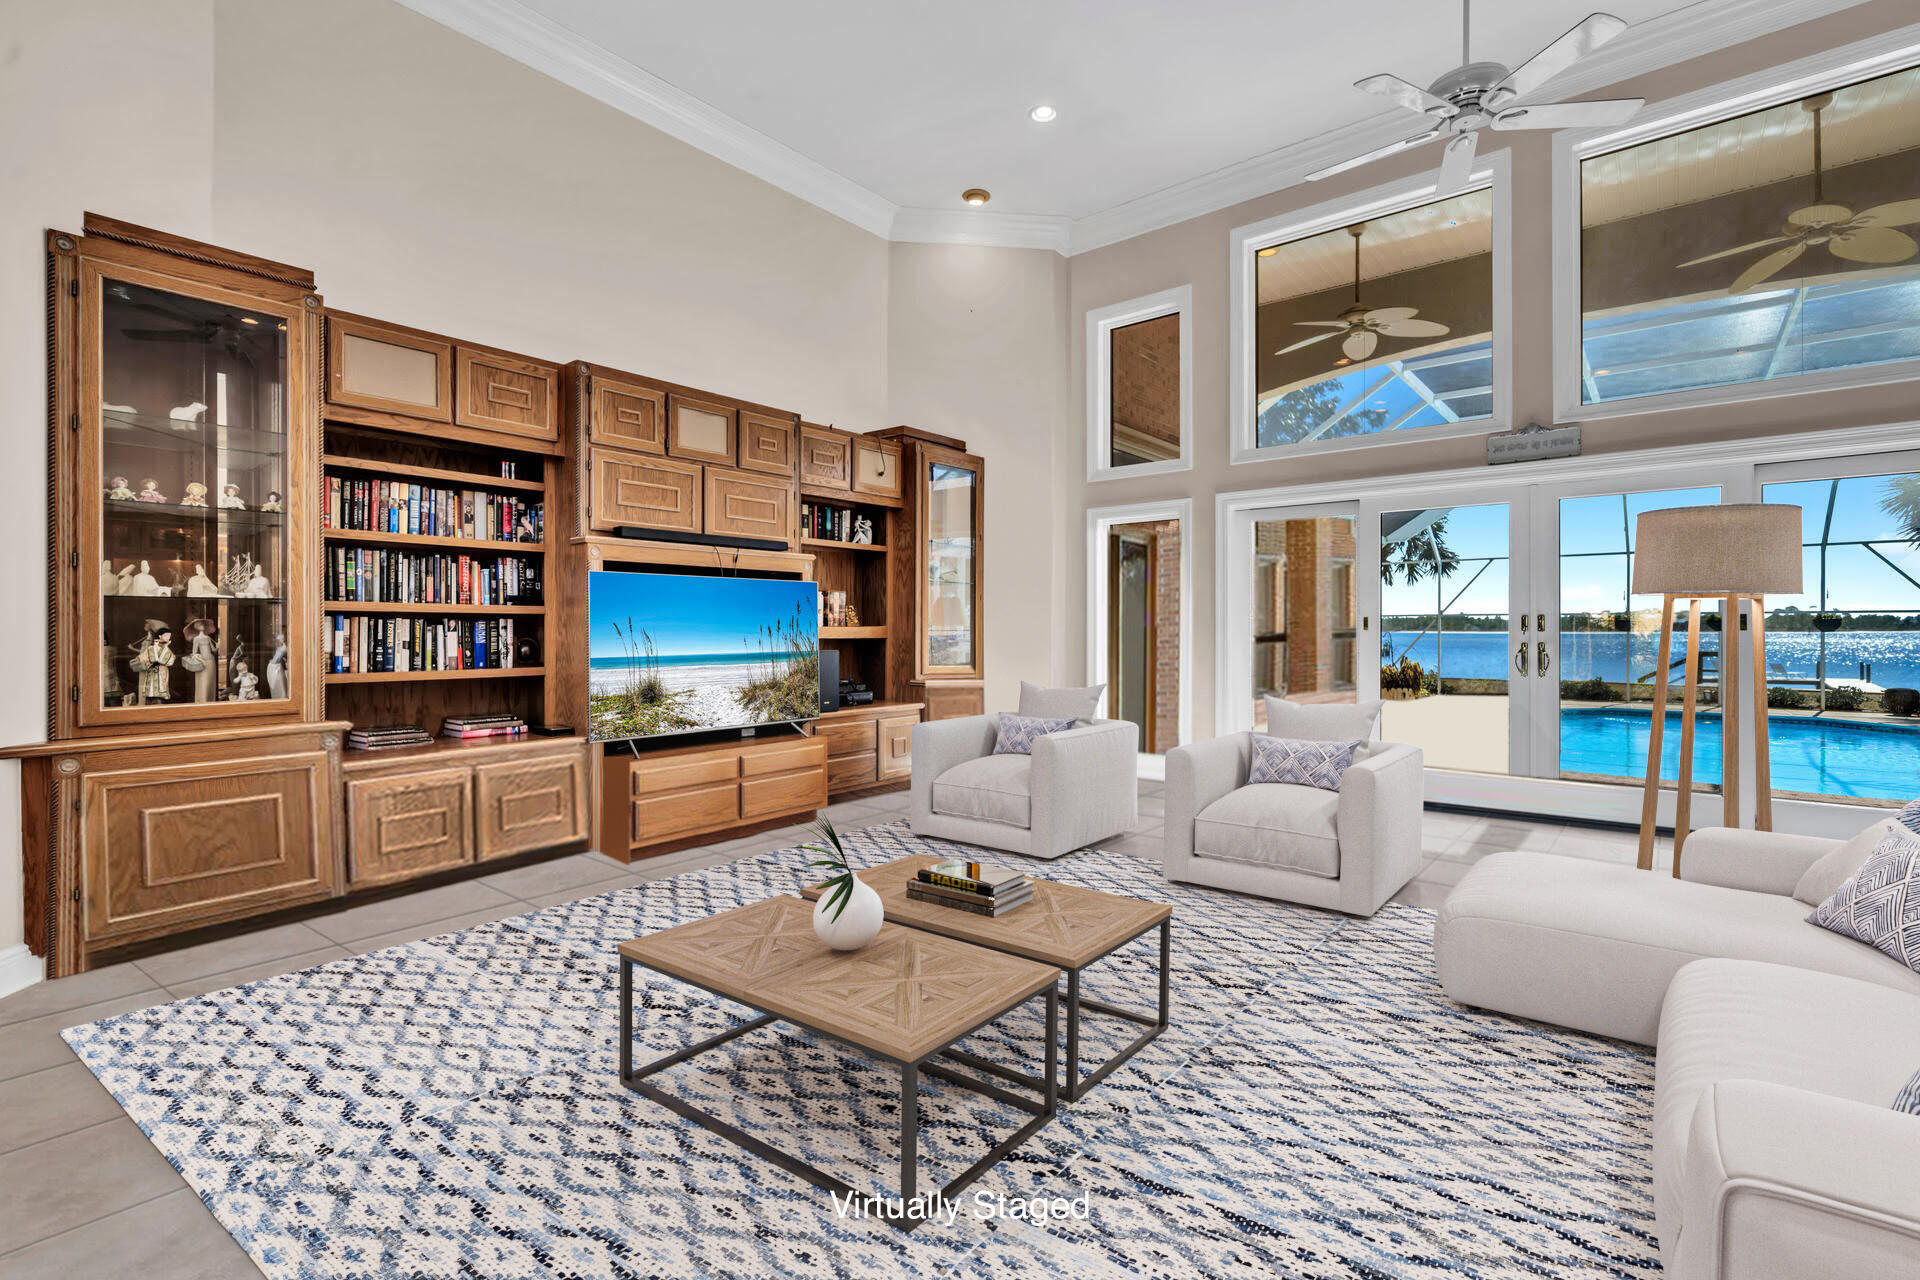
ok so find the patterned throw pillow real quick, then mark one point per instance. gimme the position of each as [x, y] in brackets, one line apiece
[1019, 733]
[1880, 906]
[1306, 764]
[1908, 1099]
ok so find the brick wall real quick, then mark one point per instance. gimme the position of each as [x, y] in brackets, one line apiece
[1165, 641]
[1145, 390]
[1303, 606]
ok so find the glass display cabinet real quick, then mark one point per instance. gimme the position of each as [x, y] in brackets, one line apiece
[944, 570]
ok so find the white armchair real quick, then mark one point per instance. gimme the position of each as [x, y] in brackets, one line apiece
[1077, 787]
[1348, 850]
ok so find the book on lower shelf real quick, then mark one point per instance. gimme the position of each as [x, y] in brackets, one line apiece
[383, 737]
[358, 643]
[468, 728]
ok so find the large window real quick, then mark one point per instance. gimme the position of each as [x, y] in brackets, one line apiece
[1772, 245]
[1380, 325]
[1140, 393]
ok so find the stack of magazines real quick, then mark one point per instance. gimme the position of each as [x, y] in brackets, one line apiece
[971, 886]
[494, 726]
[380, 737]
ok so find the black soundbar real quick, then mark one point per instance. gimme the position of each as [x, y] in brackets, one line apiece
[702, 539]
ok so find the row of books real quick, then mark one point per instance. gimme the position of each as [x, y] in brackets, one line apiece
[419, 644]
[827, 524]
[971, 886]
[498, 725]
[414, 577]
[397, 506]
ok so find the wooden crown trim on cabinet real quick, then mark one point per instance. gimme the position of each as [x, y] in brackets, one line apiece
[98, 224]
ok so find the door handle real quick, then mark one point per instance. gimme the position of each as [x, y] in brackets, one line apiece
[1540, 660]
[1520, 658]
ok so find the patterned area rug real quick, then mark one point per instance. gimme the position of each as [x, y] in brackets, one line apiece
[1318, 1109]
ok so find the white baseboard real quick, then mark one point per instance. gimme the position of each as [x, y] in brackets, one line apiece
[1153, 768]
[19, 968]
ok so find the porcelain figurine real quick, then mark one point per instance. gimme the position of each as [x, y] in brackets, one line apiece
[196, 495]
[187, 416]
[523, 530]
[109, 580]
[230, 499]
[277, 669]
[200, 585]
[234, 580]
[118, 491]
[202, 659]
[273, 501]
[149, 491]
[152, 656]
[144, 583]
[257, 587]
[863, 530]
[246, 685]
[123, 584]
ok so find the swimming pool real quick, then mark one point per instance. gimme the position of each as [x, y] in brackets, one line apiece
[1827, 757]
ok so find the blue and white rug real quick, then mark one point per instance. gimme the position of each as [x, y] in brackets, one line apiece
[1318, 1109]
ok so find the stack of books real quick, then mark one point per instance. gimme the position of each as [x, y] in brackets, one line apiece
[971, 886]
[493, 726]
[382, 737]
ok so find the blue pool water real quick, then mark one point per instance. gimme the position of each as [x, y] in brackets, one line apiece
[1811, 756]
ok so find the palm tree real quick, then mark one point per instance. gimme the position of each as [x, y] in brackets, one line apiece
[1902, 502]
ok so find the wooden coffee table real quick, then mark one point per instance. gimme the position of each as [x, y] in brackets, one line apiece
[905, 997]
[1062, 925]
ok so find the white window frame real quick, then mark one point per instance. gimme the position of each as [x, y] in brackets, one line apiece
[1101, 521]
[1491, 172]
[1101, 322]
[1863, 60]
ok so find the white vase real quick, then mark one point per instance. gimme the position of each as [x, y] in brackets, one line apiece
[858, 921]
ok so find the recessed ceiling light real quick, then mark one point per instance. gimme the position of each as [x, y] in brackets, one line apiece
[1269, 251]
[976, 195]
[1043, 114]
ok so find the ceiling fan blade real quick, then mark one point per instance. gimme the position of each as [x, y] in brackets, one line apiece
[1570, 115]
[1407, 94]
[1413, 328]
[1820, 215]
[1307, 342]
[1762, 270]
[1586, 35]
[1323, 324]
[1737, 250]
[1456, 163]
[1380, 314]
[1360, 344]
[1378, 153]
[1873, 244]
[1901, 213]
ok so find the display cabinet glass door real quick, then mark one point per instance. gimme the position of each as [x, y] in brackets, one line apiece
[950, 502]
[190, 395]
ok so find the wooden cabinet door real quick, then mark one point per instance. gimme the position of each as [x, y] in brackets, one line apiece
[647, 493]
[701, 430]
[896, 747]
[876, 468]
[826, 459]
[782, 794]
[849, 772]
[628, 416]
[405, 826]
[180, 845]
[389, 369]
[530, 804]
[748, 506]
[766, 444]
[846, 737]
[504, 393]
[948, 699]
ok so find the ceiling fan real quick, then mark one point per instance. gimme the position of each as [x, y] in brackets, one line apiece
[1478, 95]
[1867, 236]
[1360, 327]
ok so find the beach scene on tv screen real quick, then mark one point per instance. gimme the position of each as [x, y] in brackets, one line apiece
[672, 653]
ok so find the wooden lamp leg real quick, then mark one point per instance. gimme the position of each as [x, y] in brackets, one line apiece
[1730, 647]
[1650, 805]
[1683, 797]
[1762, 758]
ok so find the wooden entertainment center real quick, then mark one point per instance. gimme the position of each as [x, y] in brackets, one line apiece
[273, 523]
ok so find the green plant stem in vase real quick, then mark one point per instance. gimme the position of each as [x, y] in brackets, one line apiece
[849, 912]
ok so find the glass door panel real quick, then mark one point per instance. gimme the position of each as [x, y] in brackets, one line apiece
[951, 501]
[1303, 610]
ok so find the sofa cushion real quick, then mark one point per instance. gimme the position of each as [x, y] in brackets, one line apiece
[1742, 1020]
[1308, 764]
[1837, 866]
[1058, 704]
[1880, 905]
[1323, 721]
[1016, 735]
[988, 789]
[1591, 945]
[1272, 824]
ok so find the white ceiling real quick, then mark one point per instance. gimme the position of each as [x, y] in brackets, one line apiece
[885, 110]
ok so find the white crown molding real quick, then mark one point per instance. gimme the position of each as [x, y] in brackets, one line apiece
[973, 226]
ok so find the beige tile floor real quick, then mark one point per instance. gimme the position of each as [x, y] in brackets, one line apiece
[82, 1193]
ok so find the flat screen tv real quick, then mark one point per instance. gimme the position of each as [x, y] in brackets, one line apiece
[681, 653]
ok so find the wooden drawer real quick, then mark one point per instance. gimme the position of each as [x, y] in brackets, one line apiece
[530, 804]
[703, 808]
[647, 493]
[896, 747]
[176, 846]
[876, 468]
[782, 793]
[405, 826]
[701, 430]
[766, 444]
[802, 753]
[846, 737]
[826, 458]
[749, 506]
[856, 770]
[497, 392]
[652, 777]
[628, 416]
[389, 369]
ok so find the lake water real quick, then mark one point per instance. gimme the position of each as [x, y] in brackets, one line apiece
[1893, 656]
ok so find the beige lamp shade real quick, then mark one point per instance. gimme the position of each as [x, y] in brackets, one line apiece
[1741, 548]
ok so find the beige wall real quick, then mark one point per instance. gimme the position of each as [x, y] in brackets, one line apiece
[1195, 252]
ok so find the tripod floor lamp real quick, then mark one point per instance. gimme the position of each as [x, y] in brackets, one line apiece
[1737, 552]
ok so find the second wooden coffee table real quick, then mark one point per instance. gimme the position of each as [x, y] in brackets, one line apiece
[1064, 925]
